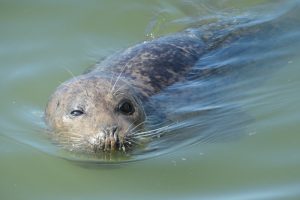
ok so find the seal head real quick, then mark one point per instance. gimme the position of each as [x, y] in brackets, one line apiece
[92, 113]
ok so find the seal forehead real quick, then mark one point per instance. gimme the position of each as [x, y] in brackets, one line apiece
[85, 87]
[87, 81]
[90, 92]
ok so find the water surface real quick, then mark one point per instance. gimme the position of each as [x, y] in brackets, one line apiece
[42, 40]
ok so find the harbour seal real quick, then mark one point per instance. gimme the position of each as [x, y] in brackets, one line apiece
[101, 110]
[105, 109]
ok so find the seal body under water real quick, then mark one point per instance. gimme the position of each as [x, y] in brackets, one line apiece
[105, 109]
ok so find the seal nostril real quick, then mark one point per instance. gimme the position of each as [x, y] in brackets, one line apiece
[114, 129]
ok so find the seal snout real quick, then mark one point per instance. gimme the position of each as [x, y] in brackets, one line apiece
[105, 140]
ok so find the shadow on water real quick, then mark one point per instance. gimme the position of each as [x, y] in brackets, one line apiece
[210, 107]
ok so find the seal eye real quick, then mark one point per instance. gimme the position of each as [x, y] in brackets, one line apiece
[126, 107]
[76, 113]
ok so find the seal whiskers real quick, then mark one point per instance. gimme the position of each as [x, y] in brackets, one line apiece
[112, 89]
[154, 132]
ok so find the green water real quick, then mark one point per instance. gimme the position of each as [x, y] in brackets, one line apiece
[40, 41]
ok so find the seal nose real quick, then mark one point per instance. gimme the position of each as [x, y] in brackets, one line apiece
[110, 131]
[106, 139]
[111, 138]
